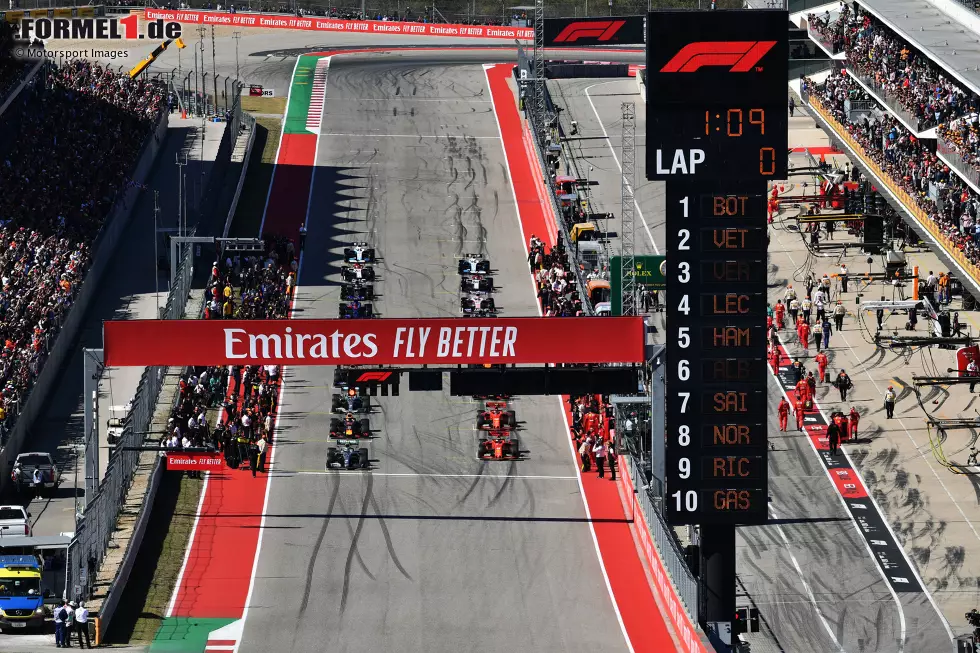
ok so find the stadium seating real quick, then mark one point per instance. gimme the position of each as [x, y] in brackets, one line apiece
[80, 130]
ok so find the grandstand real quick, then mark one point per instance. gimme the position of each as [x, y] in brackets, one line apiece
[922, 137]
[77, 132]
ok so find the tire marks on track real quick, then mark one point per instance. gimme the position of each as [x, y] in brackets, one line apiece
[352, 552]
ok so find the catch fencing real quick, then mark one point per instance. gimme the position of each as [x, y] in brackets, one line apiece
[94, 529]
[543, 135]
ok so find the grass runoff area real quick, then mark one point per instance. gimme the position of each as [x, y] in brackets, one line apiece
[151, 584]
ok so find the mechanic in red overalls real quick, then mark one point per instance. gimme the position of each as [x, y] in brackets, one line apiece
[774, 359]
[821, 359]
[804, 332]
[783, 411]
[852, 419]
[803, 390]
[799, 413]
[779, 311]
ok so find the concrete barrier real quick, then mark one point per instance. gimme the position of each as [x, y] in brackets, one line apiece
[103, 250]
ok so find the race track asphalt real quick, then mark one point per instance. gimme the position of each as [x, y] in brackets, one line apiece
[433, 550]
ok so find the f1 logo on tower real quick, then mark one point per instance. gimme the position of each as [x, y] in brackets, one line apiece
[373, 376]
[742, 56]
[600, 30]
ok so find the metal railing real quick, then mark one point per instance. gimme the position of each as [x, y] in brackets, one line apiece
[684, 582]
[966, 170]
[541, 135]
[94, 529]
[892, 102]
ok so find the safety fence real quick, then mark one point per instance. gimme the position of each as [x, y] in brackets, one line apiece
[683, 580]
[908, 202]
[544, 135]
[94, 529]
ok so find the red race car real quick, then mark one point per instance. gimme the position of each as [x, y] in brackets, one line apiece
[498, 445]
[496, 417]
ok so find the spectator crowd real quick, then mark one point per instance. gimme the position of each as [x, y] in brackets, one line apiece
[244, 397]
[75, 133]
[910, 163]
[893, 68]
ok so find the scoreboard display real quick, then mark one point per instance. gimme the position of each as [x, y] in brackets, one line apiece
[716, 96]
[717, 134]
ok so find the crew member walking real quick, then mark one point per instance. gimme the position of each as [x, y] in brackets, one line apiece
[890, 402]
[822, 362]
[852, 421]
[843, 383]
[833, 436]
[783, 411]
[839, 312]
[804, 333]
[799, 414]
[599, 451]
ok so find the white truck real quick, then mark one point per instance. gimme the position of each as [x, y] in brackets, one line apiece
[14, 521]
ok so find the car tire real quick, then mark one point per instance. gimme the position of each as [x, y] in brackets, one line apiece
[331, 452]
[512, 419]
[515, 448]
[364, 459]
[365, 427]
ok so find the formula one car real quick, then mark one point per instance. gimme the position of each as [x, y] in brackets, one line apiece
[476, 283]
[492, 397]
[474, 264]
[357, 291]
[498, 445]
[477, 303]
[359, 253]
[350, 401]
[496, 417]
[356, 310]
[348, 454]
[357, 271]
[349, 427]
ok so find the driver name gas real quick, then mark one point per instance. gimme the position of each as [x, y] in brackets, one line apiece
[408, 342]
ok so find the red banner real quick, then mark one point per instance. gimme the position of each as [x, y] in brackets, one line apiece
[195, 462]
[524, 340]
[318, 24]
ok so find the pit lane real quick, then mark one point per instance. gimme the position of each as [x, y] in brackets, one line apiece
[434, 550]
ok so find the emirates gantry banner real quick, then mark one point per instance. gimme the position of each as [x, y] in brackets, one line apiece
[453, 341]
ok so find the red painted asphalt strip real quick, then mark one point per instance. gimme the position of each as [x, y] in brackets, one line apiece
[219, 567]
[629, 584]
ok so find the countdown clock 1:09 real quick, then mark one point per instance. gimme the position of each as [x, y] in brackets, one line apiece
[748, 123]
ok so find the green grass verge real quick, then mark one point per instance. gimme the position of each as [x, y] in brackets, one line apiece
[251, 203]
[151, 583]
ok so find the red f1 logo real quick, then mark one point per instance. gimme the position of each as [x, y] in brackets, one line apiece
[742, 56]
[373, 376]
[600, 30]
